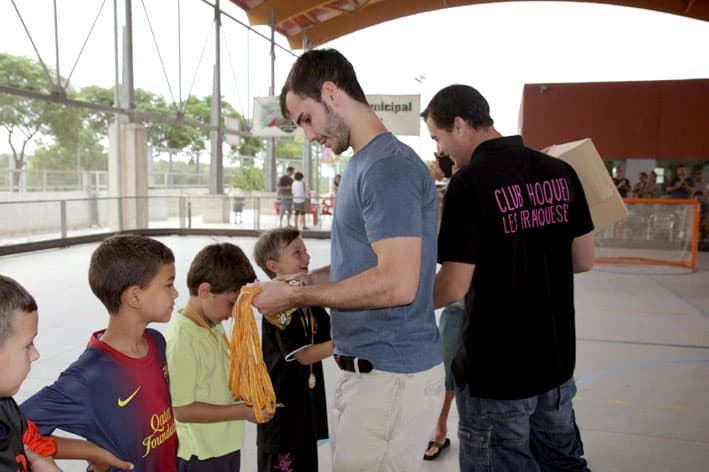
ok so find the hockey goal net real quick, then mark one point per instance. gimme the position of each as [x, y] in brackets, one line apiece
[661, 232]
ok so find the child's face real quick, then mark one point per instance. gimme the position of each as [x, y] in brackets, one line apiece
[18, 353]
[217, 306]
[158, 298]
[293, 258]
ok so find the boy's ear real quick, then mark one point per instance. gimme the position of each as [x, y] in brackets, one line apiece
[204, 289]
[272, 266]
[131, 296]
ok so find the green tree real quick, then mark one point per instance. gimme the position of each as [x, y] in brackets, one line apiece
[77, 135]
[97, 121]
[248, 145]
[87, 154]
[251, 178]
[67, 135]
[25, 119]
[169, 136]
[290, 148]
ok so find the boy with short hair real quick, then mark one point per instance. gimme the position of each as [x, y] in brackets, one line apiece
[293, 357]
[116, 393]
[209, 422]
[21, 446]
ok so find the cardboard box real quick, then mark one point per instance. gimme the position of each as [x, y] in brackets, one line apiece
[606, 205]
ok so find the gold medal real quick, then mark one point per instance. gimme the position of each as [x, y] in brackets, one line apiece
[312, 381]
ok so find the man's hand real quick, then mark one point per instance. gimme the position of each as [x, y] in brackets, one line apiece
[302, 276]
[275, 297]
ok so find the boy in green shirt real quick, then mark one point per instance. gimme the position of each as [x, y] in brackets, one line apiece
[209, 422]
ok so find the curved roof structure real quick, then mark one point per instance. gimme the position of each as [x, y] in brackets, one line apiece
[310, 23]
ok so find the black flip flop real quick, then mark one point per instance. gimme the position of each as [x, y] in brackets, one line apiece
[439, 446]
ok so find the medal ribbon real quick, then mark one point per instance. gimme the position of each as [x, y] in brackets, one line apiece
[194, 316]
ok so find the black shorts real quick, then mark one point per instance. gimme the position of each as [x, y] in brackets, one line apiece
[302, 460]
[230, 462]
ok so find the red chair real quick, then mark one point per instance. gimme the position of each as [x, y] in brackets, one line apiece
[327, 206]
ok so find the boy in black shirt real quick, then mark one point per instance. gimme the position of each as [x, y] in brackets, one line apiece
[293, 357]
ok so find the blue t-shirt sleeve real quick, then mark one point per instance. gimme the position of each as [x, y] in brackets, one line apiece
[63, 405]
[391, 202]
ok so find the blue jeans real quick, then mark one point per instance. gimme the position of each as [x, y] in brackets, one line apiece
[531, 434]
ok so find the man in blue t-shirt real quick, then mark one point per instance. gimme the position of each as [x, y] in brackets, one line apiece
[379, 285]
[515, 228]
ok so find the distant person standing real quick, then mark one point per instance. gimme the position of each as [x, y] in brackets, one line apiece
[299, 194]
[640, 189]
[700, 185]
[285, 195]
[450, 325]
[682, 185]
[654, 189]
[621, 183]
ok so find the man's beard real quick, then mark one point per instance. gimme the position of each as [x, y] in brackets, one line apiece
[337, 130]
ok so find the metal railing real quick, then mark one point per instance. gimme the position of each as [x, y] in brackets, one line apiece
[62, 222]
[45, 180]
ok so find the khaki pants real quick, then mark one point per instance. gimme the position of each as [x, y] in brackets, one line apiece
[382, 420]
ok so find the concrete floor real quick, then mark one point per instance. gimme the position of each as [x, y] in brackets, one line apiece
[642, 370]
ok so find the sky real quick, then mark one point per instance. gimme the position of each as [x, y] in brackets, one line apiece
[496, 48]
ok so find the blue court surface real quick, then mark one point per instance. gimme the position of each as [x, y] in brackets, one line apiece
[642, 358]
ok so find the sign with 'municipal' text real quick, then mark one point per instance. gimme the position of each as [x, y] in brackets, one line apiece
[400, 114]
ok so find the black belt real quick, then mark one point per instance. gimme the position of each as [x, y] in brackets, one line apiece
[353, 364]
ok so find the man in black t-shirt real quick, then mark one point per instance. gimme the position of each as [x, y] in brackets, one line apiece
[515, 228]
[682, 185]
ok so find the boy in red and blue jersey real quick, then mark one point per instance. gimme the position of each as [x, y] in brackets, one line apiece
[116, 393]
[22, 448]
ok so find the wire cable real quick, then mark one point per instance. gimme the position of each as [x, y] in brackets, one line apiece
[86, 40]
[29, 36]
[231, 67]
[199, 63]
[157, 49]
